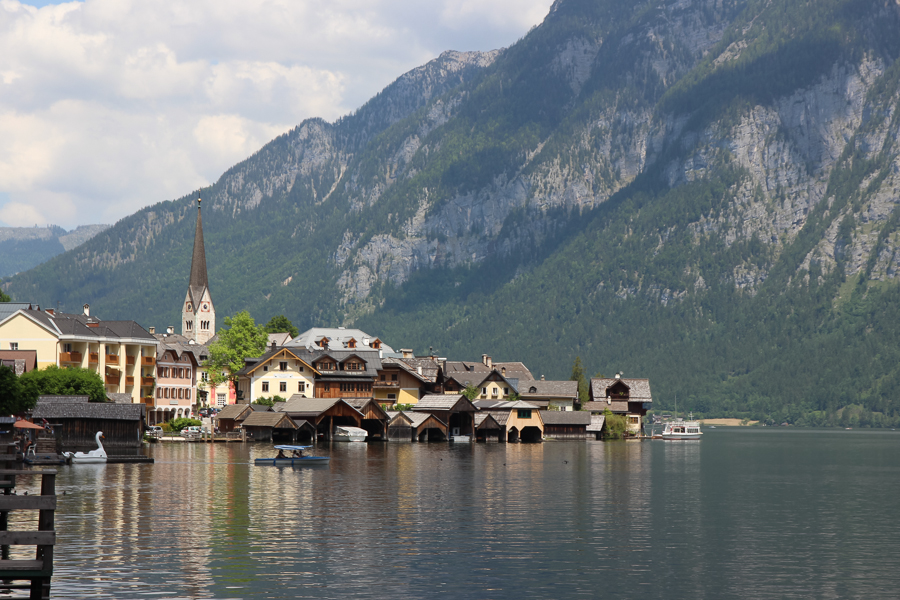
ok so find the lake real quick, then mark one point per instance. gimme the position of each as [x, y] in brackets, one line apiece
[744, 513]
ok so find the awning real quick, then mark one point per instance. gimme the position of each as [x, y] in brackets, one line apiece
[26, 425]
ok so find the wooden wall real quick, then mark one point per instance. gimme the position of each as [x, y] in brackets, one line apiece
[77, 434]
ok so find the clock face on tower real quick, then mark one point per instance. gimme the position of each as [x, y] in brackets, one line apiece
[205, 306]
[188, 308]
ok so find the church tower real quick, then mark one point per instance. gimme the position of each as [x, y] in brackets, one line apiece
[198, 319]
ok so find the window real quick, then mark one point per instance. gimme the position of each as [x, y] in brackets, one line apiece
[392, 396]
[265, 386]
[524, 413]
[300, 368]
[393, 377]
[634, 420]
[484, 391]
[265, 368]
[282, 386]
[189, 325]
[506, 391]
[301, 387]
[14, 345]
[204, 376]
[204, 325]
[381, 377]
[282, 366]
[220, 399]
[67, 347]
[187, 394]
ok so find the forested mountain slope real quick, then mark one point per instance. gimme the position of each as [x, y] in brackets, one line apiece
[699, 192]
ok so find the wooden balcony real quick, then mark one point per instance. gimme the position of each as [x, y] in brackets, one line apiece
[129, 380]
[112, 359]
[148, 361]
[148, 401]
[147, 381]
[113, 379]
[387, 384]
[130, 360]
[93, 358]
[70, 357]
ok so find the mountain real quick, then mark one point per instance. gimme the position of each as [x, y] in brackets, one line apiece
[701, 192]
[22, 248]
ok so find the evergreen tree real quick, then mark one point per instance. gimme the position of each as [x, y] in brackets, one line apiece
[578, 375]
[281, 324]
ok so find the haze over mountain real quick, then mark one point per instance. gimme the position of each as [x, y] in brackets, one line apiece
[702, 193]
[22, 248]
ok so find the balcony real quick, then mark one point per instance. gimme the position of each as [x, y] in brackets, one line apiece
[93, 358]
[148, 401]
[129, 360]
[112, 359]
[129, 380]
[148, 361]
[147, 381]
[70, 357]
[113, 379]
[379, 384]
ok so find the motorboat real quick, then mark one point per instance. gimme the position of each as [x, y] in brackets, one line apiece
[679, 429]
[97, 456]
[349, 434]
[296, 458]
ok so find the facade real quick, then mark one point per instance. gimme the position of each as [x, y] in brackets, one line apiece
[122, 352]
[281, 372]
[519, 420]
[176, 383]
[346, 373]
[400, 382]
[556, 395]
[198, 315]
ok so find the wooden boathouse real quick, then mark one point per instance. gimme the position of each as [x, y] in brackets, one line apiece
[567, 424]
[456, 411]
[416, 427]
[76, 422]
[323, 413]
[375, 418]
[270, 426]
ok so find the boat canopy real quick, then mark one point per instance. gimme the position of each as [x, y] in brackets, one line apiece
[292, 447]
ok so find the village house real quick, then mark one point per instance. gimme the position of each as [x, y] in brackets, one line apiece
[176, 381]
[281, 372]
[555, 395]
[404, 380]
[456, 411]
[630, 398]
[519, 420]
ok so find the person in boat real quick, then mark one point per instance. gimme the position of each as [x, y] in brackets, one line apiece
[281, 454]
[297, 453]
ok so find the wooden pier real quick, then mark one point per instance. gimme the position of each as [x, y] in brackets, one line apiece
[38, 572]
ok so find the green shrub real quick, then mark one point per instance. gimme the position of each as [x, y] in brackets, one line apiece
[614, 426]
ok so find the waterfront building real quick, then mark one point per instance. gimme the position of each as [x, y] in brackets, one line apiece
[323, 413]
[176, 380]
[567, 425]
[519, 420]
[279, 372]
[628, 397]
[455, 410]
[122, 352]
[554, 395]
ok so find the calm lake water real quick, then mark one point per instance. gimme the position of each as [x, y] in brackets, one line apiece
[745, 513]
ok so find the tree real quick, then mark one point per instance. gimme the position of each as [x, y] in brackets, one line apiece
[281, 324]
[70, 381]
[578, 375]
[242, 338]
[4, 297]
[12, 396]
[471, 392]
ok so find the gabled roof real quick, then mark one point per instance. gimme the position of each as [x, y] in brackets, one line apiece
[638, 389]
[234, 411]
[452, 402]
[269, 419]
[495, 375]
[303, 355]
[88, 410]
[300, 405]
[418, 419]
[484, 420]
[279, 339]
[429, 367]
[540, 388]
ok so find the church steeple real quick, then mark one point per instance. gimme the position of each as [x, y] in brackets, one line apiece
[198, 317]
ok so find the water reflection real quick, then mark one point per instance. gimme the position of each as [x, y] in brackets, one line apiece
[560, 520]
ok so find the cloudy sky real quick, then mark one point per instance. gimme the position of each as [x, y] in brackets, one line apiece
[107, 106]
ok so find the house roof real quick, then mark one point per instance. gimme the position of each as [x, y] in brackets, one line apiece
[279, 339]
[508, 405]
[418, 419]
[88, 410]
[484, 420]
[233, 411]
[614, 407]
[338, 339]
[269, 419]
[427, 365]
[516, 370]
[566, 417]
[306, 356]
[123, 398]
[638, 389]
[66, 399]
[540, 388]
[440, 402]
[300, 405]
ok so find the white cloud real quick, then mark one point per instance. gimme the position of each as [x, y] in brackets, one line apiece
[110, 105]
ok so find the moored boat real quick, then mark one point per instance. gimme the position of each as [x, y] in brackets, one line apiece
[296, 458]
[679, 429]
[349, 434]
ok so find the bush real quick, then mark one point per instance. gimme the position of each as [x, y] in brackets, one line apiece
[176, 425]
[614, 426]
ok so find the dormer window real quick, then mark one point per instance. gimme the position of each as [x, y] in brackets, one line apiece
[351, 343]
[376, 343]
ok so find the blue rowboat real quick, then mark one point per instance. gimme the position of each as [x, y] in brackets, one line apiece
[292, 461]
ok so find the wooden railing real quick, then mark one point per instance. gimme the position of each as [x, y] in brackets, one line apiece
[93, 357]
[147, 381]
[112, 359]
[70, 357]
[129, 380]
[148, 401]
[129, 360]
[37, 572]
[148, 361]
[113, 379]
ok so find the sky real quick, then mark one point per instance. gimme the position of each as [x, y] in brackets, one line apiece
[107, 106]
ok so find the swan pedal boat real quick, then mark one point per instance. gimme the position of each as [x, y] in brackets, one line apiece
[95, 457]
[292, 461]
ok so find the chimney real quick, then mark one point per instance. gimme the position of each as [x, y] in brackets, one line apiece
[488, 362]
[406, 352]
[503, 371]
[273, 344]
[542, 378]
[50, 311]
[170, 329]
[87, 310]
[152, 330]
[618, 375]
[419, 369]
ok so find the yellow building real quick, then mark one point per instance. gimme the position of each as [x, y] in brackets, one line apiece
[122, 352]
[284, 372]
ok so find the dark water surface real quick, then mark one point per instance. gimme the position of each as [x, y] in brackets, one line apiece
[742, 514]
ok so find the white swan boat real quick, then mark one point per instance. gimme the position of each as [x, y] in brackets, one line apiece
[679, 429]
[97, 456]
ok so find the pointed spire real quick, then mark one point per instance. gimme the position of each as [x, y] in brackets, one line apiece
[198, 281]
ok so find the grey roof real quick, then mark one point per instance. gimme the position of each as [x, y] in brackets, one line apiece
[261, 407]
[66, 399]
[68, 325]
[119, 398]
[9, 308]
[301, 405]
[442, 402]
[515, 370]
[418, 419]
[638, 389]
[428, 365]
[483, 418]
[370, 357]
[614, 407]
[233, 411]
[339, 337]
[88, 410]
[269, 419]
[549, 389]
[566, 417]
[596, 423]
[487, 404]
[307, 356]
[279, 339]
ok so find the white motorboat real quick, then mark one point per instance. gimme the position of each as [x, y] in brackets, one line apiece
[97, 456]
[349, 434]
[679, 429]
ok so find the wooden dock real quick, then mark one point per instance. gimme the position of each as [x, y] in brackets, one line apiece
[38, 572]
